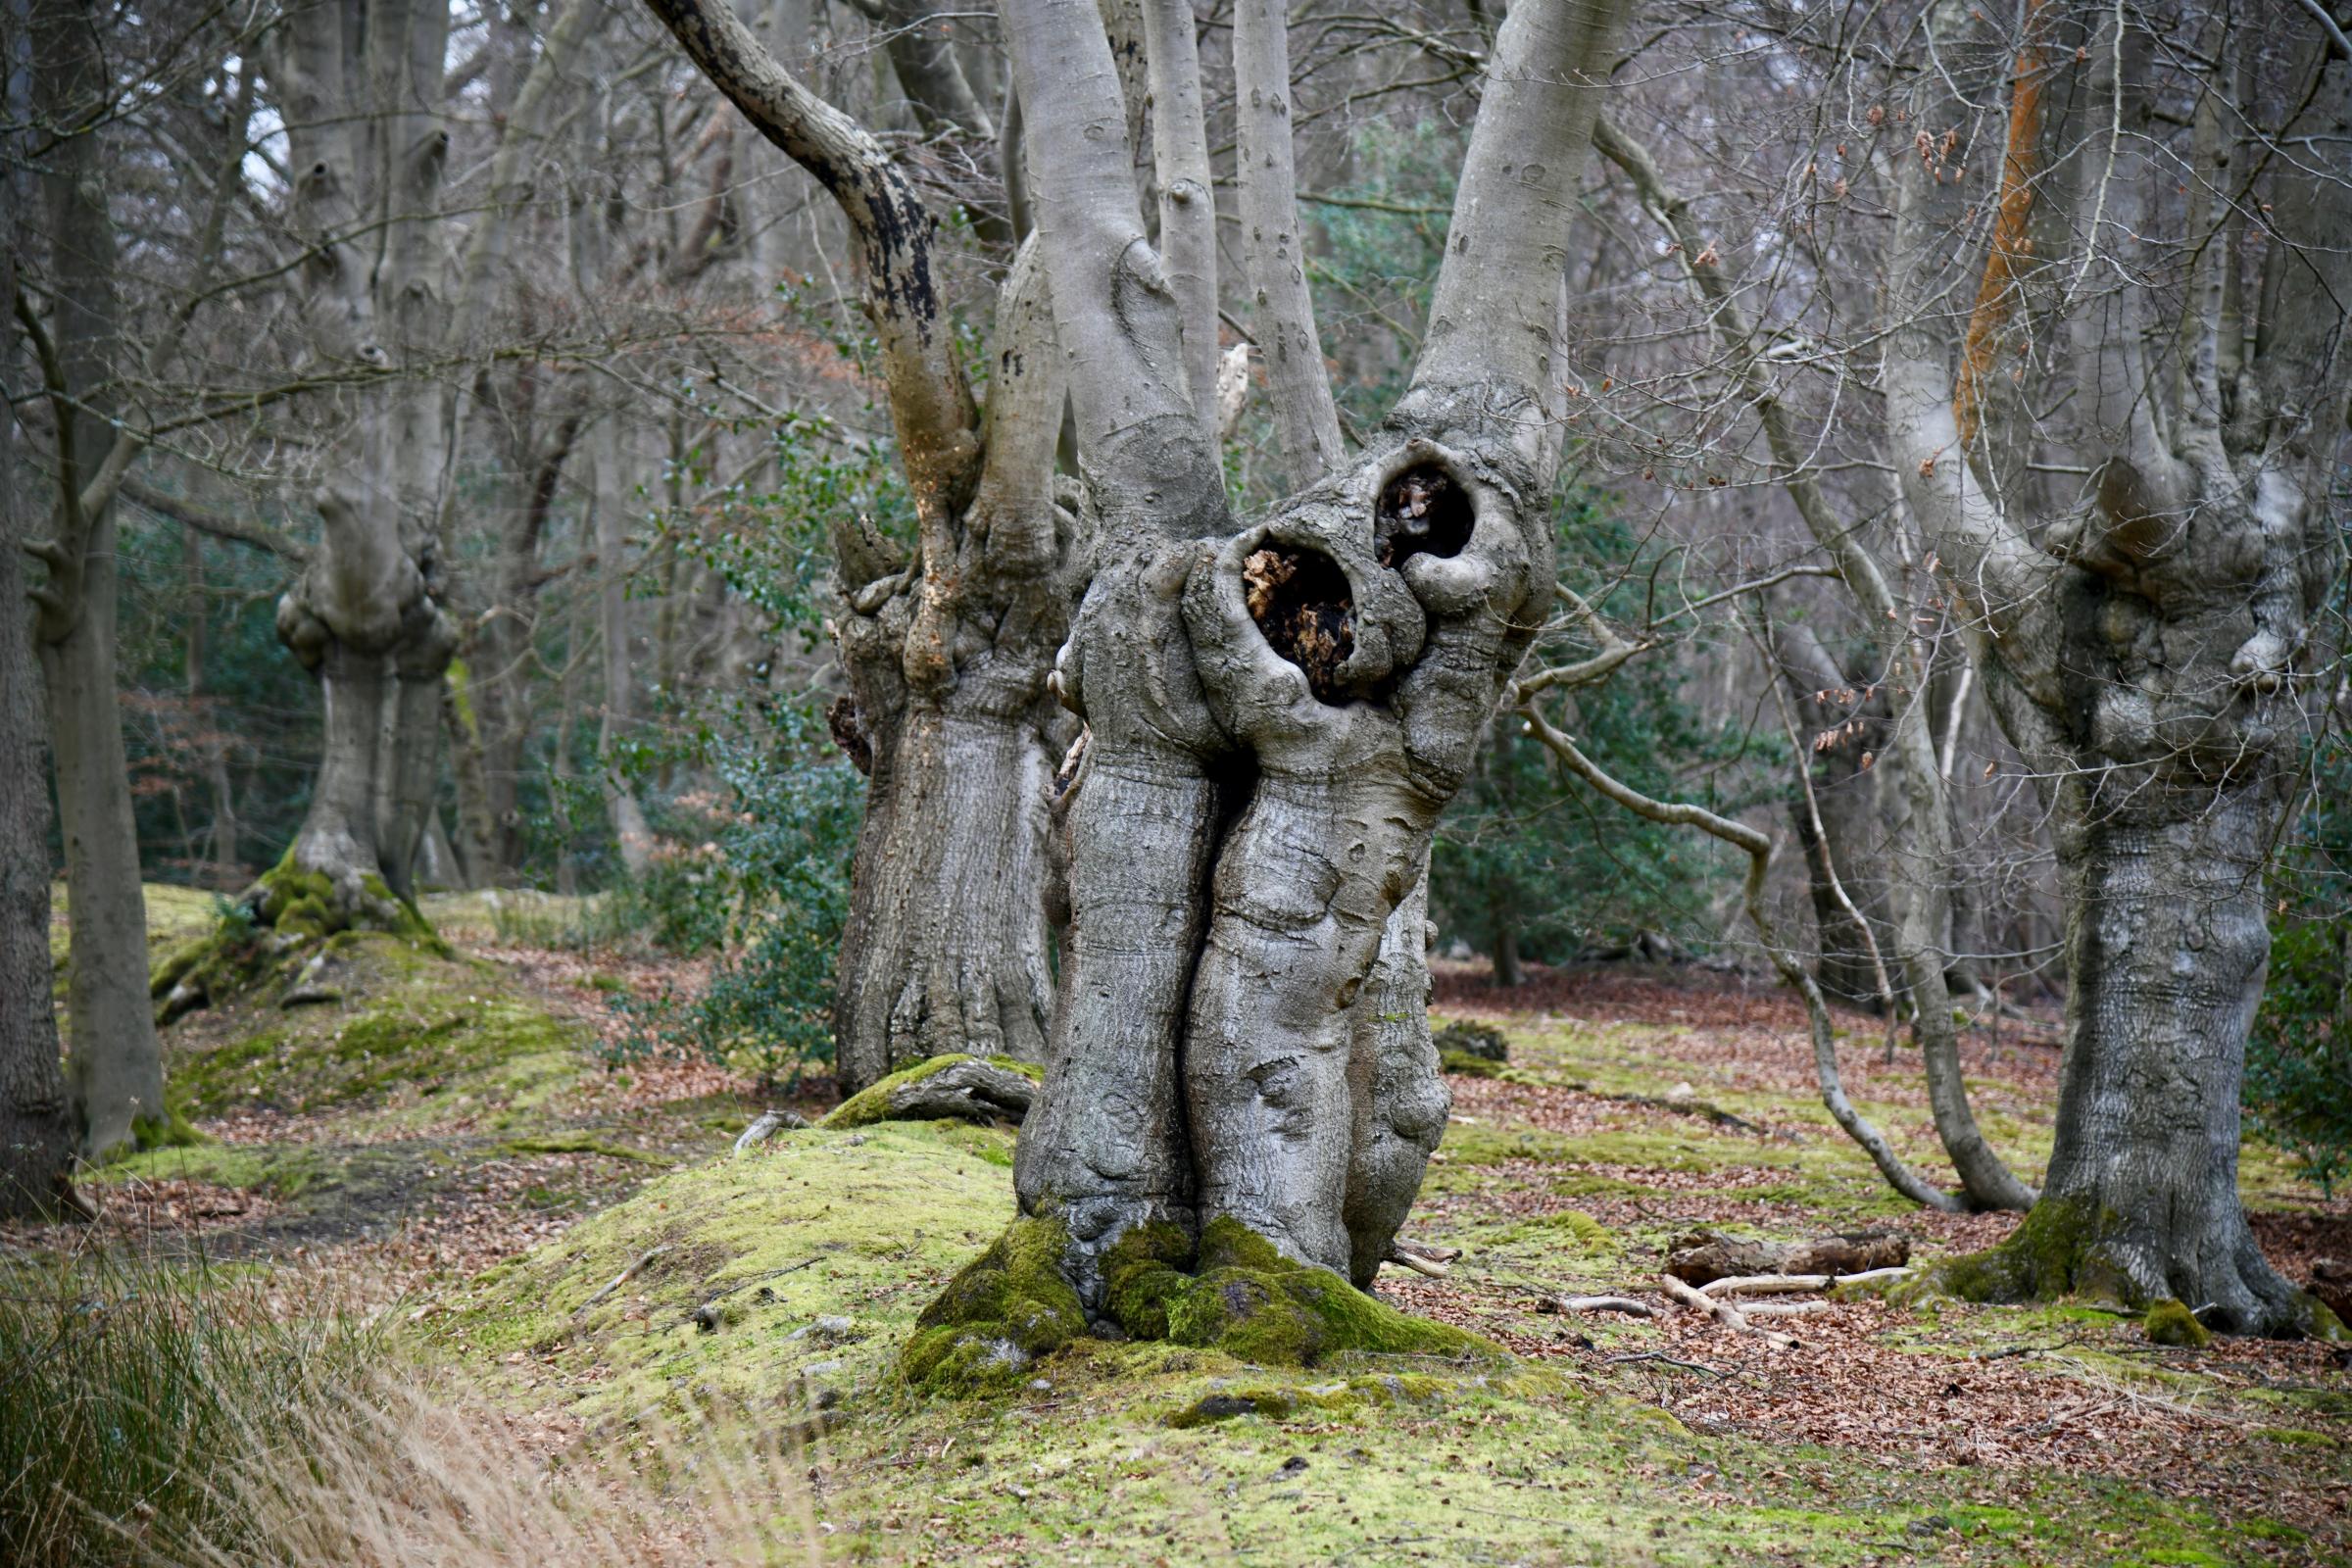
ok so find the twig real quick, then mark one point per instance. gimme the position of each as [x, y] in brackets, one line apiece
[1663, 1358]
[620, 1279]
[1787, 1308]
[1427, 1266]
[1725, 1313]
[1595, 1304]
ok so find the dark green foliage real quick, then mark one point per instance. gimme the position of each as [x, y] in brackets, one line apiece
[127, 1387]
[766, 893]
[2298, 1085]
[1526, 852]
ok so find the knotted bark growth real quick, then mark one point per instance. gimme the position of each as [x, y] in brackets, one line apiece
[2150, 654]
[1277, 710]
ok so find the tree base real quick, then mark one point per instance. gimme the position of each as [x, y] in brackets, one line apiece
[285, 917]
[1234, 1292]
[951, 1087]
[2070, 1247]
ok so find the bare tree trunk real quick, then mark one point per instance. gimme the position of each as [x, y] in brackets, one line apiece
[2145, 655]
[115, 1071]
[37, 1133]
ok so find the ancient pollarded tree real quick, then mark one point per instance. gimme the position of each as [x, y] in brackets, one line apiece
[947, 648]
[366, 145]
[1277, 712]
[383, 290]
[2117, 423]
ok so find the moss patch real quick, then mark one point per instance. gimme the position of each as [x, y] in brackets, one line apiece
[2171, 1322]
[1007, 1307]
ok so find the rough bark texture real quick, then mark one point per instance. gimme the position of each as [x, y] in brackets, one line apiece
[1277, 712]
[2144, 657]
[116, 1069]
[37, 1134]
[948, 948]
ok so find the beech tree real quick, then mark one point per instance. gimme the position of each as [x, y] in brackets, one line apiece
[947, 648]
[116, 1067]
[1278, 711]
[2117, 411]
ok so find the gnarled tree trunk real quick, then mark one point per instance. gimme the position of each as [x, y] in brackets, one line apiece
[2147, 656]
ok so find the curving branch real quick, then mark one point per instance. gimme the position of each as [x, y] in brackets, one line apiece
[929, 402]
[1304, 415]
[1757, 847]
[1495, 314]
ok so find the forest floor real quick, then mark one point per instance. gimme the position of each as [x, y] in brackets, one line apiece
[449, 1139]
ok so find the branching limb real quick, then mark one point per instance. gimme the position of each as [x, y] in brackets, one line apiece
[930, 405]
[1758, 849]
[1188, 203]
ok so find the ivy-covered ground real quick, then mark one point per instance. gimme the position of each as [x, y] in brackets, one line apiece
[575, 1244]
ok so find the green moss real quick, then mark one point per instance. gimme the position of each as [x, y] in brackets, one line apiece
[871, 1104]
[2171, 1322]
[1464, 1063]
[1010, 1306]
[1243, 1297]
[1570, 1226]
[2046, 1255]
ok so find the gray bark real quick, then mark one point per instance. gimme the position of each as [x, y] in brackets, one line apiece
[947, 654]
[366, 614]
[2145, 660]
[115, 1071]
[1277, 715]
[37, 1133]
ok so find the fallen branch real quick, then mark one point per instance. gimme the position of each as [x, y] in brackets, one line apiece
[1787, 1308]
[1661, 1357]
[620, 1279]
[1725, 1313]
[1595, 1304]
[1427, 1267]
[1793, 1284]
[1705, 1256]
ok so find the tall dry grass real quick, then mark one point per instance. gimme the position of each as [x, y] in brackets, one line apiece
[173, 1412]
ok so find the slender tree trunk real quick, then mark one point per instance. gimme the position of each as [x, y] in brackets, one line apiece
[37, 1132]
[1508, 971]
[608, 484]
[115, 1071]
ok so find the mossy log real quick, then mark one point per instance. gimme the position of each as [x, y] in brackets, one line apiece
[969, 1087]
[1705, 1256]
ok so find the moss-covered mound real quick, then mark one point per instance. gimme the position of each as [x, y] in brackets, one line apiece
[1234, 1292]
[274, 929]
[404, 1038]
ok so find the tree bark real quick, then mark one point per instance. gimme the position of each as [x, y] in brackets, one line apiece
[1277, 715]
[115, 1071]
[2146, 658]
[37, 1132]
[947, 654]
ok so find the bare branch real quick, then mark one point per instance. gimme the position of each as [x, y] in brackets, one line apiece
[930, 405]
[1493, 317]
[1304, 414]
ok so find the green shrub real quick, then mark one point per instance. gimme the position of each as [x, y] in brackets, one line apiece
[2298, 1083]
